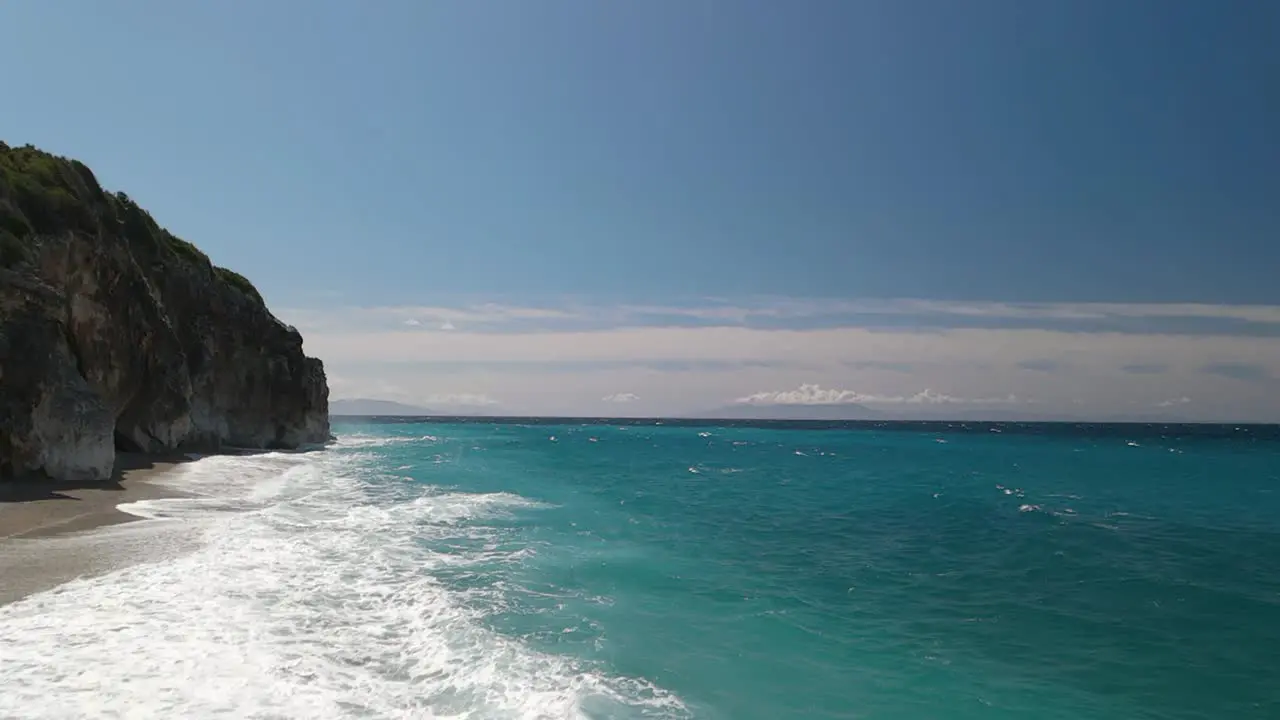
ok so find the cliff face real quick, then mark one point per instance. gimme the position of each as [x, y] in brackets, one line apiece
[115, 334]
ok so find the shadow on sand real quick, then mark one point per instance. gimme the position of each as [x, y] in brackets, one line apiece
[38, 487]
[33, 488]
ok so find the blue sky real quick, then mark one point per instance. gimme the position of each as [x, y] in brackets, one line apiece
[573, 171]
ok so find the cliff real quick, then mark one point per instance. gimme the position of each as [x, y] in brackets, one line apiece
[116, 334]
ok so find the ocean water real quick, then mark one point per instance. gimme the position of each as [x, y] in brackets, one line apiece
[572, 570]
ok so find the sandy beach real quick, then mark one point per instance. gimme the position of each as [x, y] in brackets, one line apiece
[40, 520]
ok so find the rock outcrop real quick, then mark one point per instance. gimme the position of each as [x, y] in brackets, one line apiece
[116, 334]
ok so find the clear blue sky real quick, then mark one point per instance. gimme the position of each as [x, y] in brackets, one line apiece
[520, 183]
[995, 149]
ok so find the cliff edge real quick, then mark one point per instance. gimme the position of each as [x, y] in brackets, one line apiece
[116, 334]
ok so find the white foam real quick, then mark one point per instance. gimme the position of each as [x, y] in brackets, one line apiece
[372, 441]
[310, 594]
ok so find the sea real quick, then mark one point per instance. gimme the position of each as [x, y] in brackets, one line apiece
[662, 569]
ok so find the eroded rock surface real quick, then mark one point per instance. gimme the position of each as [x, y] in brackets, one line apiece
[114, 333]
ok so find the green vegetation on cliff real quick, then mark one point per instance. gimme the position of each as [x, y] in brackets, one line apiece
[117, 335]
[44, 195]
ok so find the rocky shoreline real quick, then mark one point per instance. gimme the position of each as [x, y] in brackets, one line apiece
[116, 335]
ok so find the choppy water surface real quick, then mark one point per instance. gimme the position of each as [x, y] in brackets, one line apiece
[508, 570]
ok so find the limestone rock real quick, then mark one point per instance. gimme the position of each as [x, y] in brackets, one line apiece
[115, 334]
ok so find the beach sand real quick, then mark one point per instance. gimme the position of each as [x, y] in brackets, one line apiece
[43, 525]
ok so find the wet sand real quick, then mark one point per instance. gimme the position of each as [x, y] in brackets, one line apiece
[40, 522]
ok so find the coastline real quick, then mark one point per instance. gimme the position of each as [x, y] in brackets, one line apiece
[41, 521]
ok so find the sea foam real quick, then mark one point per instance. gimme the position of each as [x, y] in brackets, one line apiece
[307, 594]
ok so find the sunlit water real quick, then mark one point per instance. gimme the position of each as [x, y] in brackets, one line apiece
[613, 571]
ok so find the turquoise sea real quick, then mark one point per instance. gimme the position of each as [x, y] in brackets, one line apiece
[631, 569]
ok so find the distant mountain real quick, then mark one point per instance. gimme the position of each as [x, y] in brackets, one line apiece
[784, 411]
[366, 406]
[790, 411]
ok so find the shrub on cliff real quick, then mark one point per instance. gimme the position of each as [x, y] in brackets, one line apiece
[237, 281]
[43, 194]
[116, 334]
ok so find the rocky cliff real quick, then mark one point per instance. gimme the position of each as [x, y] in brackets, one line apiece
[116, 334]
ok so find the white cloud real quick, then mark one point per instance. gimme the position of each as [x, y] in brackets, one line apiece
[772, 309]
[807, 394]
[346, 318]
[802, 308]
[930, 397]
[1174, 401]
[413, 322]
[737, 344]
[620, 398]
[536, 362]
[813, 394]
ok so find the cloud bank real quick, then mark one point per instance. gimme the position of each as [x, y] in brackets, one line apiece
[812, 394]
[1168, 318]
[620, 398]
[1071, 360]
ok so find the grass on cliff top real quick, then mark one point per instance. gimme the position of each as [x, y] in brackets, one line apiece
[42, 194]
[238, 281]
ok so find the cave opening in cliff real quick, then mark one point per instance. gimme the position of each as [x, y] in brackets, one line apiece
[124, 443]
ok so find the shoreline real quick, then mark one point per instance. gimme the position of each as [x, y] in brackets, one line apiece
[47, 527]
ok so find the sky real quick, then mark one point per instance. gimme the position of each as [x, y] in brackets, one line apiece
[1064, 208]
